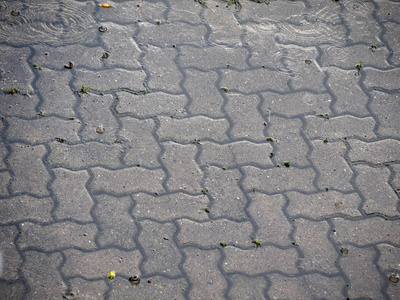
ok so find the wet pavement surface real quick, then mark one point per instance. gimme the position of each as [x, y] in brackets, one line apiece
[200, 149]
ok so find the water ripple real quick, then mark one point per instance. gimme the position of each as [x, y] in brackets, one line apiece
[51, 22]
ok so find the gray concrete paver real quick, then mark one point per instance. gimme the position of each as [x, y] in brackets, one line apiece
[379, 197]
[167, 156]
[116, 226]
[161, 252]
[73, 204]
[365, 279]
[227, 198]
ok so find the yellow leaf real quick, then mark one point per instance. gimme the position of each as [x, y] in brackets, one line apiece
[105, 5]
[111, 275]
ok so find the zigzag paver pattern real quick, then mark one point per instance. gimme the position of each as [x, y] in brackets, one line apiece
[183, 102]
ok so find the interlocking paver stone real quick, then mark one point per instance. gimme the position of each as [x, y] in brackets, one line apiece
[57, 236]
[289, 145]
[73, 203]
[120, 48]
[170, 207]
[356, 14]
[235, 154]
[375, 78]
[379, 196]
[187, 178]
[339, 127]
[379, 152]
[227, 198]
[359, 267]
[204, 95]
[138, 136]
[5, 179]
[24, 207]
[225, 27]
[97, 264]
[261, 260]
[386, 108]
[162, 256]
[83, 156]
[206, 280]
[42, 130]
[125, 12]
[363, 232]
[307, 235]
[388, 263]
[244, 287]
[99, 122]
[127, 180]
[272, 225]
[151, 104]
[391, 38]
[164, 74]
[19, 105]
[51, 84]
[252, 81]
[324, 204]
[169, 34]
[278, 180]
[334, 172]
[116, 227]
[56, 58]
[15, 70]
[247, 122]
[159, 288]
[33, 182]
[350, 56]
[305, 287]
[11, 259]
[138, 139]
[50, 285]
[211, 58]
[108, 80]
[306, 103]
[85, 289]
[187, 129]
[348, 94]
[212, 233]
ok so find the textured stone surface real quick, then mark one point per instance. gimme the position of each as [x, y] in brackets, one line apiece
[42, 130]
[127, 180]
[72, 203]
[25, 157]
[57, 236]
[162, 254]
[227, 198]
[272, 225]
[116, 227]
[170, 207]
[261, 260]
[212, 233]
[236, 154]
[183, 171]
[179, 145]
[379, 197]
[278, 180]
[83, 156]
[200, 264]
[334, 172]
[379, 152]
[151, 104]
[324, 204]
[186, 130]
[365, 279]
